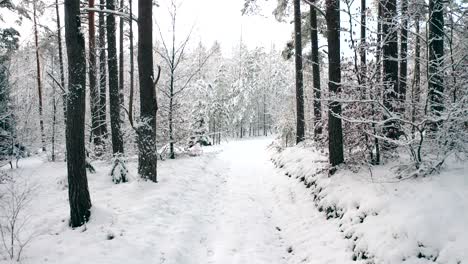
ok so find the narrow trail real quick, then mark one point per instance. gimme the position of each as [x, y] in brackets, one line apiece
[257, 215]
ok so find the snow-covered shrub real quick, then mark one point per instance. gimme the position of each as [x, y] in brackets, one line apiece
[119, 172]
[14, 201]
[195, 150]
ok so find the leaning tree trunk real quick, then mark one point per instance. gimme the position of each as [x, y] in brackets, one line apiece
[436, 55]
[300, 120]
[93, 89]
[148, 106]
[78, 194]
[114, 91]
[335, 130]
[38, 77]
[316, 73]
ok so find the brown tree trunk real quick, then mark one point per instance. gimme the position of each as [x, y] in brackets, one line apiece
[78, 194]
[300, 120]
[148, 106]
[335, 130]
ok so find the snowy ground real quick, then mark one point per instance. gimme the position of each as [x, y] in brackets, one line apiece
[386, 220]
[230, 205]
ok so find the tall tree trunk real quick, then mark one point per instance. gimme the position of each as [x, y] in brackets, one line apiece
[363, 45]
[38, 77]
[121, 55]
[417, 72]
[60, 53]
[436, 54]
[148, 106]
[403, 54]
[114, 91]
[316, 73]
[130, 98]
[54, 114]
[390, 65]
[78, 194]
[378, 55]
[93, 89]
[300, 122]
[335, 130]
[102, 74]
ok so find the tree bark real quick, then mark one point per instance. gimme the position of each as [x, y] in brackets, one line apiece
[93, 89]
[62, 71]
[335, 130]
[78, 194]
[300, 120]
[148, 105]
[38, 77]
[114, 91]
[130, 98]
[403, 54]
[390, 65]
[121, 55]
[436, 54]
[102, 74]
[316, 73]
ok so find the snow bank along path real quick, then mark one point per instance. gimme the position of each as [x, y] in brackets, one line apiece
[228, 206]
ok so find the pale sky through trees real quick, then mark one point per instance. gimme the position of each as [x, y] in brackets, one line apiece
[222, 20]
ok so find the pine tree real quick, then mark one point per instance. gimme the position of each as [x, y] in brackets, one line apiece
[114, 91]
[147, 162]
[300, 119]
[335, 130]
[78, 194]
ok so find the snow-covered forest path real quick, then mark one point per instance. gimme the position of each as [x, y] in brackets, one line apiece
[256, 215]
[227, 206]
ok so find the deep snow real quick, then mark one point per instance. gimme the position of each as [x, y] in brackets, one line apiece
[229, 205]
[386, 220]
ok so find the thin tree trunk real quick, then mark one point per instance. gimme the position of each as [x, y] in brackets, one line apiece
[147, 152]
[114, 91]
[93, 89]
[335, 130]
[54, 116]
[121, 55]
[300, 121]
[403, 54]
[417, 73]
[102, 74]
[316, 73]
[130, 98]
[60, 53]
[363, 46]
[78, 194]
[38, 77]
